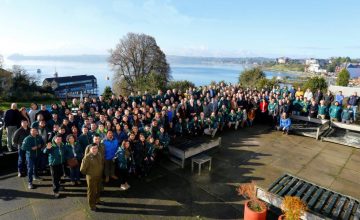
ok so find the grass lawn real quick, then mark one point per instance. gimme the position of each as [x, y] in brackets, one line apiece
[6, 105]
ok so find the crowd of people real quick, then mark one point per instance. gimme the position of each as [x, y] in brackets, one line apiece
[96, 136]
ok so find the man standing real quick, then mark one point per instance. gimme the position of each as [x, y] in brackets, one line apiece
[354, 102]
[32, 145]
[111, 146]
[19, 136]
[56, 153]
[12, 119]
[92, 166]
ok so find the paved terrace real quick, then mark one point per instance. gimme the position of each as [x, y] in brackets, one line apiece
[172, 193]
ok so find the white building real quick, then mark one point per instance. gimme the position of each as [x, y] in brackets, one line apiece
[282, 60]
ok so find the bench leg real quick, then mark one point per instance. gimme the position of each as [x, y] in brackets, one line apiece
[210, 165]
[199, 169]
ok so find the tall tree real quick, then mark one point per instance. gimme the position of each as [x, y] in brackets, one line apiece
[343, 78]
[315, 83]
[135, 57]
[107, 93]
[250, 77]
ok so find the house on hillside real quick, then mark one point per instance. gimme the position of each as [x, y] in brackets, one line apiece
[282, 60]
[315, 65]
[72, 86]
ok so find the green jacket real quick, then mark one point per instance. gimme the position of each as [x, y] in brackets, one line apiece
[323, 110]
[56, 154]
[334, 111]
[29, 142]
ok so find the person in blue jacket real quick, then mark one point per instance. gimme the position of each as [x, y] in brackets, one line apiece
[111, 146]
[285, 123]
[122, 158]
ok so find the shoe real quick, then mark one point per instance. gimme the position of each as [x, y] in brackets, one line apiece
[78, 182]
[107, 179]
[73, 183]
[123, 187]
[31, 186]
[19, 174]
[56, 195]
[94, 209]
[127, 185]
[100, 202]
[114, 177]
[37, 178]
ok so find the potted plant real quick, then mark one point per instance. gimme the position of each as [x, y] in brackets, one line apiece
[293, 208]
[254, 208]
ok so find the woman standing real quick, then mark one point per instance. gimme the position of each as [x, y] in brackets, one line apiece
[122, 161]
[73, 153]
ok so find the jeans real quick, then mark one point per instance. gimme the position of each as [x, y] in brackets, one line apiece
[56, 173]
[10, 134]
[21, 161]
[75, 173]
[32, 165]
[354, 108]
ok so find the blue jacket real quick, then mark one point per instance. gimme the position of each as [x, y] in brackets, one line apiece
[285, 123]
[111, 147]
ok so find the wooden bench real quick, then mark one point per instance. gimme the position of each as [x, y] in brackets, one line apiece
[201, 159]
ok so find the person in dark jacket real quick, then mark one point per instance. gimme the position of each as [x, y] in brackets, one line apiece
[123, 156]
[44, 112]
[12, 121]
[313, 110]
[19, 136]
[74, 150]
[354, 101]
[56, 151]
[32, 145]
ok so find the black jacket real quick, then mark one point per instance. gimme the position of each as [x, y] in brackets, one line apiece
[12, 118]
[19, 135]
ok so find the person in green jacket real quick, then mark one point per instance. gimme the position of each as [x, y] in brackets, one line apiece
[323, 110]
[56, 151]
[347, 115]
[335, 111]
[32, 145]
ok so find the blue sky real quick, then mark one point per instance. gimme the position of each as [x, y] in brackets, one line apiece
[232, 28]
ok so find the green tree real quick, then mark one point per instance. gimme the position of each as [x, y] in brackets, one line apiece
[250, 77]
[343, 78]
[181, 85]
[315, 83]
[107, 92]
[134, 58]
[266, 83]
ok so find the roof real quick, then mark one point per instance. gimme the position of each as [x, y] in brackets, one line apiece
[354, 72]
[70, 78]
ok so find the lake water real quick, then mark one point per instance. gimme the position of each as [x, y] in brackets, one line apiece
[200, 74]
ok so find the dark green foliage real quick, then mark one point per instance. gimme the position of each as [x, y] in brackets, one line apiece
[316, 83]
[181, 85]
[343, 78]
[107, 93]
[23, 87]
[250, 77]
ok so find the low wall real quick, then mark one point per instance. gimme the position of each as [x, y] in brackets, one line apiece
[346, 91]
